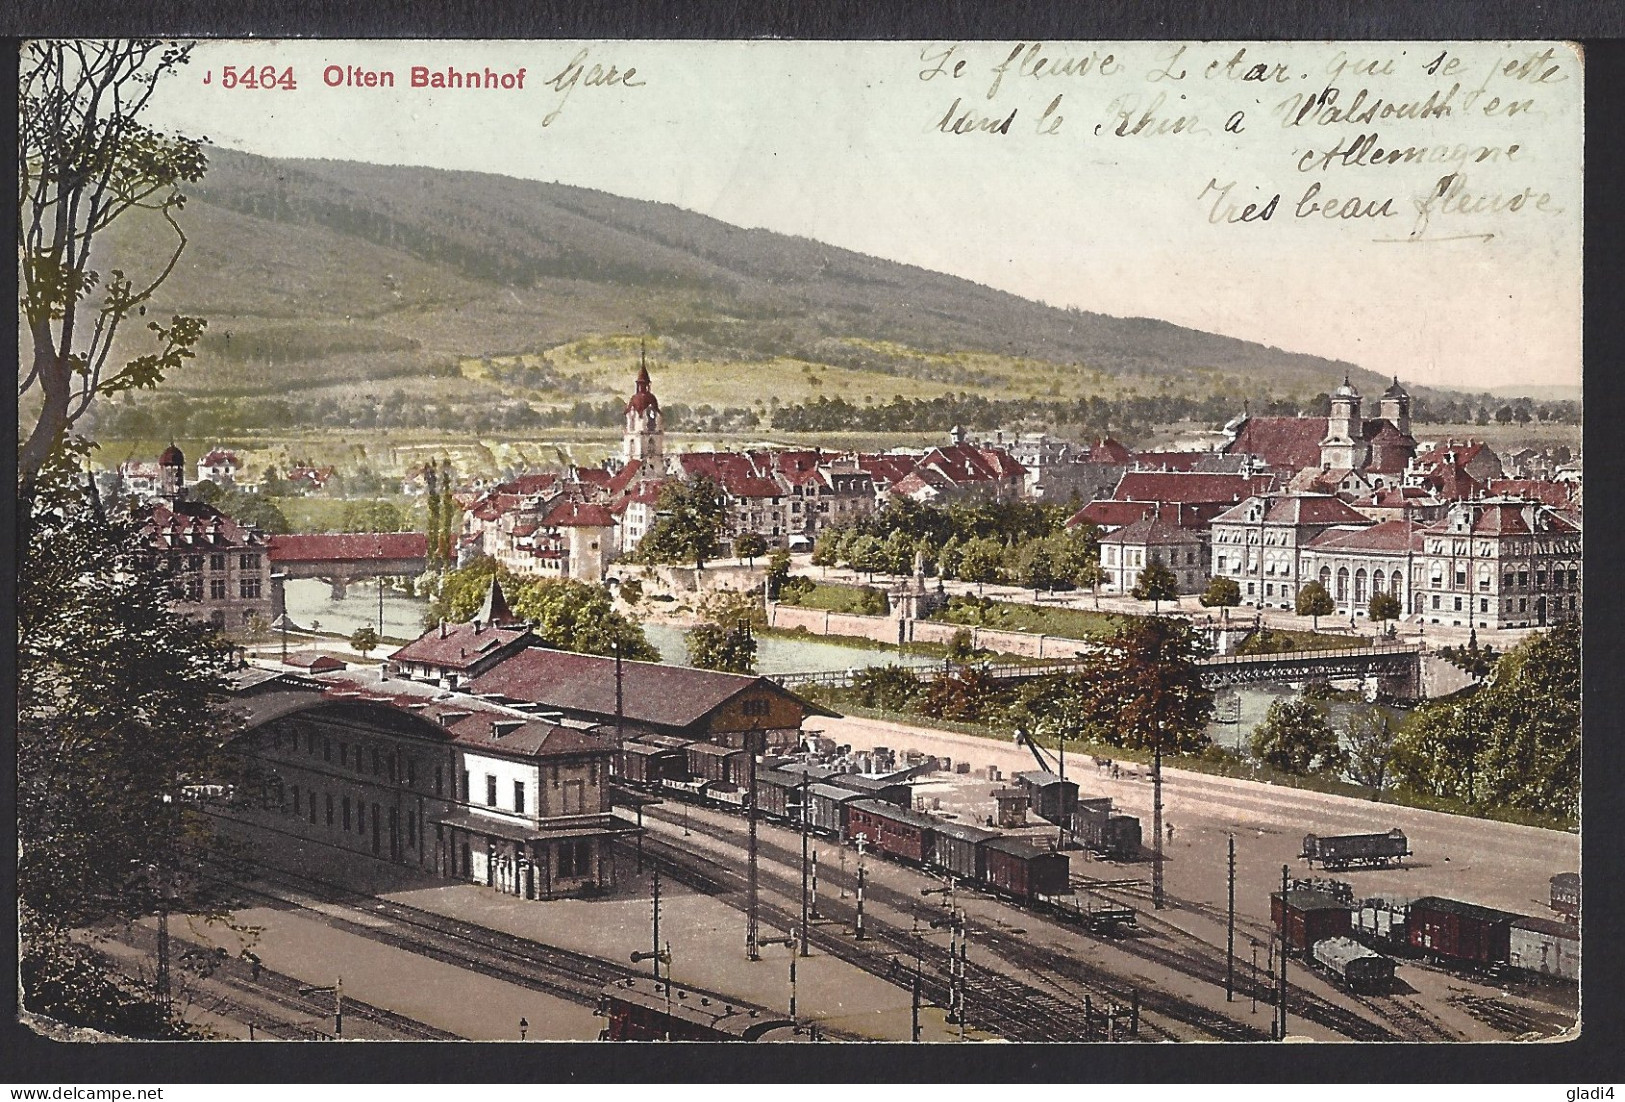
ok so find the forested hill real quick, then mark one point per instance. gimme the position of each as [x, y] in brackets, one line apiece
[631, 261]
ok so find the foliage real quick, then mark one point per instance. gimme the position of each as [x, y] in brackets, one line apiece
[714, 647]
[1313, 601]
[255, 509]
[796, 591]
[1067, 623]
[374, 516]
[1036, 568]
[688, 524]
[1221, 593]
[1150, 686]
[981, 561]
[748, 545]
[631, 590]
[121, 704]
[734, 606]
[1372, 736]
[778, 571]
[1514, 741]
[891, 687]
[865, 600]
[1295, 738]
[566, 614]
[1383, 606]
[865, 553]
[86, 161]
[1472, 658]
[966, 694]
[1285, 640]
[65, 979]
[1156, 584]
[961, 647]
[364, 640]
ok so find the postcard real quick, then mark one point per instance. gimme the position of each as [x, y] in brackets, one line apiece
[938, 541]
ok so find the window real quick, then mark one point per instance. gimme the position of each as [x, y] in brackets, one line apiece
[555, 776]
[248, 562]
[296, 808]
[519, 796]
[439, 781]
[217, 589]
[755, 706]
[346, 813]
[1483, 604]
[360, 817]
[490, 790]
[1540, 579]
[327, 748]
[1435, 600]
[1523, 579]
[194, 589]
[329, 809]
[310, 743]
[411, 772]
[1574, 583]
[344, 753]
[468, 789]
[217, 561]
[249, 588]
[1458, 604]
[248, 616]
[377, 762]
[1461, 577]
[194, 562]
[592, 774]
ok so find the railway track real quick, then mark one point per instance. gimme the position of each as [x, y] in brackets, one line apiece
[1078, 986]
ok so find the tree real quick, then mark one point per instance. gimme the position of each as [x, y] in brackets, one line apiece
[1223, 593]
[431, 484]
[1156, 584]
[778, 571]
[255, 509]
[1313, 601]
[1372, 737]
[688, 523]
[949, 558]
[714, 647]
[576, 616]
[890, 687]
[897, 553]
[364, 640]
[1090, 575]
[123, 716]
[961, 647]
[867, 554]
[1035, 568]
[1384, 606]
[826, 550]
[982, 561]
[1295, 738]
[1151, 687]
[86, 162]
[748, 545]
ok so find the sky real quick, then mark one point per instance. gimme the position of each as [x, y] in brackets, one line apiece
[1426, 220]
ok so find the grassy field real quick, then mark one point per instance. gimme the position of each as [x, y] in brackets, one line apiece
[1066, 623]
[841, 598]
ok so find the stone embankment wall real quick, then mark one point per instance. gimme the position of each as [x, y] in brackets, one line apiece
[888, 629]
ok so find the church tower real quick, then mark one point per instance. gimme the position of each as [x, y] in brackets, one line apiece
[1344, 445]
[172, 473]
[1396, 407]
[644, 437]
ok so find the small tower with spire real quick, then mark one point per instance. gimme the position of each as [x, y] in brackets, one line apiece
[494, 612]
[644, 435]
[1344, 444]
[172, 473]
[1395, 407]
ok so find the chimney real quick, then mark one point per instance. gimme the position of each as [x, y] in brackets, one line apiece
[442, 627]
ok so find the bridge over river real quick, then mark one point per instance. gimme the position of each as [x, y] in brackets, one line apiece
[341, 558]
[1396, 666]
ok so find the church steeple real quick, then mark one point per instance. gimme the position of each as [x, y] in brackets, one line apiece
[644, 436]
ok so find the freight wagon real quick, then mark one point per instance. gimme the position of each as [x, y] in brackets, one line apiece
[892, 830]
[712, 762]
[1545, 947]
[778, 794]
[1105, 833]
[829, 808]
[1051, 797]
[1381, 922]
[1342, 851]
[1353, 965]
[646, 765]
[1017, 868]
[877, 788]
[1566, 895]
[1464, 933]
[959, 852]
[1308, 916]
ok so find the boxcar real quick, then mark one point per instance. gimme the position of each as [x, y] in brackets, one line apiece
[1114, 836]
[1462, 932]
[1050, 797]
[647, 765]
[1353, 965]
[711, 762]
[778, 793]
[1545, 947]
[829, 808]
[1308, 916]
[893, 830]
[1018, 868]
[877, 788]
[959, 851]
[1341, 851]
[1566, 895]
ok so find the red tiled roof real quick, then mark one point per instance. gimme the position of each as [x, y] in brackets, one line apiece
[1191, 487]
[1110, 513]
[462, 646]
[349, 547]
[1110, 451]
[660, 695]
[1167, 461]
[1464, 452]
[221, 456]
[642, 397]
[1157, 529]
[578, 514]
[886, 467]
[468, 722]
[195, 524]
[1284, 442]
[624, 477]
[592, 476]
[1391, 536]
[1548, 493]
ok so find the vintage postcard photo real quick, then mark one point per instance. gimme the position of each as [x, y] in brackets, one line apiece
[800, 542]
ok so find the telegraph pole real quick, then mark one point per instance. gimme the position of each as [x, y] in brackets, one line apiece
[1280, 996]
[862, 838]
[1230, 931]
[815, 883]
[752, 933]
[1156, 820]
[805, 899]
[655, 944]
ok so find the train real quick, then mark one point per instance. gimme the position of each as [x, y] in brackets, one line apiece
[1346, 850]
[1467, 935]
[643, 1008]
[845, 806]
[1357, 967]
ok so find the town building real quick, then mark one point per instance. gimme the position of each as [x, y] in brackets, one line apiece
[448, 784]
[1500, 563]
[1257, 542]
[1354, 563]
[219, 569]
[1378, 448]
[1158, 538]
[220, 466]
